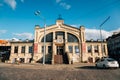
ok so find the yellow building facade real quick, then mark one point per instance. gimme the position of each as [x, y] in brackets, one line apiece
[22, 50]
[66, 44]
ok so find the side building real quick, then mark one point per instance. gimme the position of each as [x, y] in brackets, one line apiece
[22, 50]
[114, 45]
[96, 50]
[5, 48]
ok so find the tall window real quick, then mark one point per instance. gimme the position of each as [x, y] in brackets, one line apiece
[89, 48]
[23, 49]
[76, 49]
[70, 49]
[96, 49]
[30, 49]
[72, 38]
[16, 49]
[50, 49]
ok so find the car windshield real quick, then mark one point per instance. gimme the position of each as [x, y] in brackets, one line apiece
[110, 60]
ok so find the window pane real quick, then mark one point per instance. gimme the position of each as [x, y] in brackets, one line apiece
[72, 38]
[16, 49]
[96, 49]
[89, 48]
[23, 49]
[70, 49]
[50, 49]
[30, 49]
[49, 38]
[76, 49]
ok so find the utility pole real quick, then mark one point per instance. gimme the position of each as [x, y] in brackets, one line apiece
[101, 33]
[37, 13]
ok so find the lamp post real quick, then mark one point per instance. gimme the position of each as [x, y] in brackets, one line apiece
[37, 13]
[101, 33]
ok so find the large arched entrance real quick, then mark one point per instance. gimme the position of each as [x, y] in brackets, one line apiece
[60, 57]
[62, 43]
[71, 46]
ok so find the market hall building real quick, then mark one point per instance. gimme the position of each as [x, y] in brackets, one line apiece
[64, 44]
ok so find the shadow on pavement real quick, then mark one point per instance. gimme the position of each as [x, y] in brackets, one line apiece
[90, 67]
[94, 68]
[86, 67]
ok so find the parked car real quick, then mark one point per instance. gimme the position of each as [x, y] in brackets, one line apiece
[107, 63]
[119, 62]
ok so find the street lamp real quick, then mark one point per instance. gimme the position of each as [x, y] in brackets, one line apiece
[37, 13]
[101, 33]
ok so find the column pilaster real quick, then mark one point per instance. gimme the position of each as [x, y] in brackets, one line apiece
[66, 42]
[26, 49]
[53, 48]
[19, 49]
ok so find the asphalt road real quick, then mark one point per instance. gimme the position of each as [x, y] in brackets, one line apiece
[56, 72]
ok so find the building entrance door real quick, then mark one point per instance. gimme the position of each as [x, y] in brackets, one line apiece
[58, 58]
[61, 56]
[60, 50]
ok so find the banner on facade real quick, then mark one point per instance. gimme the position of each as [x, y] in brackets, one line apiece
[83, 47]
[35, 47]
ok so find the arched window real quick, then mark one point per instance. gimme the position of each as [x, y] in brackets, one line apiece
[60, 33]
[49, 38]
[72, 38]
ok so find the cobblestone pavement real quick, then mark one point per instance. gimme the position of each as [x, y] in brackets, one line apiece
[80, 71]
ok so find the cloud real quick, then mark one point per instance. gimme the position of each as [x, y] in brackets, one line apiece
[11, 3]
[12, 39]
[15, 39]
[23, 35]
[74, 25]
[57, 1]
[63, 4]
[118, 30]
[3, 31]
[95, 34]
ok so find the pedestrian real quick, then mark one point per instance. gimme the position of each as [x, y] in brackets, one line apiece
[18, 60]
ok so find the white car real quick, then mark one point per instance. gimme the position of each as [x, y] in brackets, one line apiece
[107, 63]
